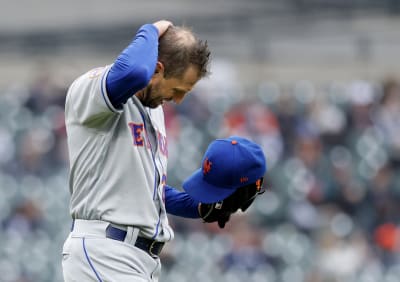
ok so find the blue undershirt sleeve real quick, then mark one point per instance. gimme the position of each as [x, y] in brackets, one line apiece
[134, 67]
[180, 203]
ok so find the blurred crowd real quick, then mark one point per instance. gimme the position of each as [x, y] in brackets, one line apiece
[330, 212]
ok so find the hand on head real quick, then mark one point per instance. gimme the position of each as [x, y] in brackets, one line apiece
[162, 26]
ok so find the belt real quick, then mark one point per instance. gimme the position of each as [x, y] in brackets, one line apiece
[98, 227]
[152, 247]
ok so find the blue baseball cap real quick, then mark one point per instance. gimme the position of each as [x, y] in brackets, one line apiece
[227, 165]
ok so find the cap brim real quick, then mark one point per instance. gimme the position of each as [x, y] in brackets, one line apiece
[204, 192]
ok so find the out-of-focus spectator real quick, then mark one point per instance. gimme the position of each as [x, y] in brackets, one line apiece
[313, 174]
[254, 120]
[195, 108]
[246, 252]
[330, 121]
[26, 217]
[383, 197]
[288, 116]
[362, 99]
[32, 148]
[387, 117]
[44, 92]
[339, 259]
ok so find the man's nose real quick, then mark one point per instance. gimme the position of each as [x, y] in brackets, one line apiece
[178, 98]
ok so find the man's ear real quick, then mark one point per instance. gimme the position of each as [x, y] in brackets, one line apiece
[159, 69]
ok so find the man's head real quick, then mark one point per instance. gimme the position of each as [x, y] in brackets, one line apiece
[178, 49]
[183, 60]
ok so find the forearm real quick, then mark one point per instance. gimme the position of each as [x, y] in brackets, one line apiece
[180, 203]
[134, 67]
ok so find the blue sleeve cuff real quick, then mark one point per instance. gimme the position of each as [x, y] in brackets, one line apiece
[151, 26]
[180, 203]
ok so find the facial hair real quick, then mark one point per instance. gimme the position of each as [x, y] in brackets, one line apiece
[147, 98]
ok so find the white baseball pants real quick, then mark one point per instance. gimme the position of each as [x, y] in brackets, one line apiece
[89, 256]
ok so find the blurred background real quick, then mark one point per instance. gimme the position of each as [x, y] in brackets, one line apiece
[315, 82]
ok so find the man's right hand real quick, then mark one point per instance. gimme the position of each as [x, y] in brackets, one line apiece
[162, 26]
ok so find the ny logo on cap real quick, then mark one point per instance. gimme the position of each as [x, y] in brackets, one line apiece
[258, 185]
[244, 179]
[206, 166]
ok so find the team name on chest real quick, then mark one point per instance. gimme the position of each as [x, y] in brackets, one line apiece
[141, 139]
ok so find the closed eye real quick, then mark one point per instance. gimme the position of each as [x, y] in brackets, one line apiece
[179, 92]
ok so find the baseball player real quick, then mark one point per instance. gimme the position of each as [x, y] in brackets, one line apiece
[118, 157]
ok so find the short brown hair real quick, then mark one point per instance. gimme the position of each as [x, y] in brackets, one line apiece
[179, 48]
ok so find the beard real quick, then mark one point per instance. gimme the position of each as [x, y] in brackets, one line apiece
[150, 97]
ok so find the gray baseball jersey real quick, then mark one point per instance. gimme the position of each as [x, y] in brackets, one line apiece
[118, 158]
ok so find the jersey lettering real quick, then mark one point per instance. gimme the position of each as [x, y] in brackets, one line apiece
[140, 138]
[95, 72]
[164, 179]
[163, 182]
[162, 143]
[136, 130]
